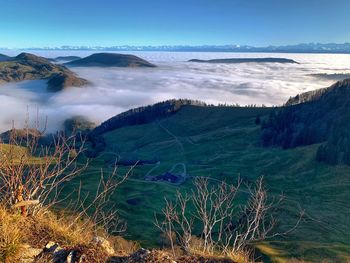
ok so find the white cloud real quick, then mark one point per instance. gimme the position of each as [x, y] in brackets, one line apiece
[114, 90]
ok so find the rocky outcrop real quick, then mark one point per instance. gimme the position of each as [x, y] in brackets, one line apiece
[159, 256]
[105, 244]
[100, 250]
[29, 254]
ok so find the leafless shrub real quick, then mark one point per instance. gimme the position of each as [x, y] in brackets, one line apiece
[98, 208]
[31, 173]
[210, 220]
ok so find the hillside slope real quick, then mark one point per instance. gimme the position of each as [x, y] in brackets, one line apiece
[222, 143]
[314, 117]
[4, 57]
[110, 60]
[143, 115]
[27, 66]
[66, 58]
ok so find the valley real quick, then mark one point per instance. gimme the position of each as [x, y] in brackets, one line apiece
[193, 131]
[224, 146]
[174, 141]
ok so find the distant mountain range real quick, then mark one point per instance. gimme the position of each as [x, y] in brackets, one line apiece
[298, 48]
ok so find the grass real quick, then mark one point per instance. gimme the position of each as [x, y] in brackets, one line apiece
[223, 143]
[18, 233]
[10, 236]
[19, 154]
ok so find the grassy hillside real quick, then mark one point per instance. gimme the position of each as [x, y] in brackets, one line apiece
[222, 143]
[27, 66]
[110, 60]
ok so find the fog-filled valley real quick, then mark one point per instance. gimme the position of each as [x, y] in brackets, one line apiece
[114, 90]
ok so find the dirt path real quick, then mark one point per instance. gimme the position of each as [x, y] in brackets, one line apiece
[172, 135]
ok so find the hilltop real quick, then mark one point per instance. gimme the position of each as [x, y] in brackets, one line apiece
[66, 58]
[245, 60]
[27, 66]
[4, 57]
[320, 116]
[145, 114]
[63, 80]
[110, 60]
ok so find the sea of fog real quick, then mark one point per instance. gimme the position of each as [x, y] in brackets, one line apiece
[114, 90]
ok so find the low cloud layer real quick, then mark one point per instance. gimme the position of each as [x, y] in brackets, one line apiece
[114, 90]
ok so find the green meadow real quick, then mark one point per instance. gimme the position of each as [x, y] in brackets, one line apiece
[223, 143]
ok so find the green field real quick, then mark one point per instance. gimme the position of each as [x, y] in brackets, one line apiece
[222, 143]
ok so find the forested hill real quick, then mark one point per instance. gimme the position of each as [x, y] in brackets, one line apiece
[143, 115]
[314, 117]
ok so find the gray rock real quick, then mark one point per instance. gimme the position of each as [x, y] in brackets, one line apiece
[105, 244]
[29, 253]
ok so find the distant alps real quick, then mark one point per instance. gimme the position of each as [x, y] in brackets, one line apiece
[298, 48]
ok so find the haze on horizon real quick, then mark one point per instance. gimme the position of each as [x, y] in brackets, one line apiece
[41, 23]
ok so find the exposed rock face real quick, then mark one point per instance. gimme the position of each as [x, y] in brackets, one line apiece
[104, 252]
[28, 254]
[111, 60]
[158, 256]
[104, 243]
[54, 253]
[27, 66]
[245, 60]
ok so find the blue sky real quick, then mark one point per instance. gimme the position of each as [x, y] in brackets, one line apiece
[43, 23]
